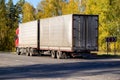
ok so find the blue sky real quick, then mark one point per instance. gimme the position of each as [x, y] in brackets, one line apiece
[32, 2]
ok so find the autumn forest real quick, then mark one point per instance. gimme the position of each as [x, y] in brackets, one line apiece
[12, 14]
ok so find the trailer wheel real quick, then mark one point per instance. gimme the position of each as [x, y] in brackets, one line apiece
[31, 52]
[27, 52]
[61, 55]
[18, 51]
[53, 54]
[64, 55]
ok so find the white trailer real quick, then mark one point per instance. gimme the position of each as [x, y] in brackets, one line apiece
[60, 36]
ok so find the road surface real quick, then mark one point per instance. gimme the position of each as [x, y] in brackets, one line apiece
[14, 67]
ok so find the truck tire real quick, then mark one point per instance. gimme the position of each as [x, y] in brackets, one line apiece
[53, 54]
[64, 55]
[27, 52]
[61, 55]
[31, 52]
[18, 51]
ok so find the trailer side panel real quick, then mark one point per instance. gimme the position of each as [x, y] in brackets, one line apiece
[56, 33]
[28, 34]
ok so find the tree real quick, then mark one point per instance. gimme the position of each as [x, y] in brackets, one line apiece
[108, 11]
[19, 7]
[12, 23]
[82, 5]
[28, 12]
[49, 8]
[3, 26]
[8, 23]
[11, 13]
[72, 7]
[99, 7]
[113, 20]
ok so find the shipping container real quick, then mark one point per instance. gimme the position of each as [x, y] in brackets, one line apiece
[59, 36]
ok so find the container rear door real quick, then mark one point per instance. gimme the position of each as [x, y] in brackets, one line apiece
[79, 33]
[85, 32]
[91, 33]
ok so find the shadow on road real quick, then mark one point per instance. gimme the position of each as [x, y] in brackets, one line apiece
[60, 70]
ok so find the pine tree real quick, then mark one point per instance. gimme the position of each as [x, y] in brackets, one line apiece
[19, 7]
[12, 18]
[3, 22]
[11, 21]
[11, 13]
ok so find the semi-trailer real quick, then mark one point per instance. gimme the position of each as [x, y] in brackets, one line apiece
[59, 36]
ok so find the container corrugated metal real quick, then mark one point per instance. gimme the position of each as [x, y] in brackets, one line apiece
[56, 33]
[28, 34]
[72, 32]
[69, 33]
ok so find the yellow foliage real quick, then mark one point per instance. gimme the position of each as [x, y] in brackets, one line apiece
[58, 7]
[72, 7]
[28, 12]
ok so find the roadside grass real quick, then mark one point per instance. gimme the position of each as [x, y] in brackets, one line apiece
[108, 55]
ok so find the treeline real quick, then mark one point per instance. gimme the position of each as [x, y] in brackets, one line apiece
[9, 20]
[13, 14]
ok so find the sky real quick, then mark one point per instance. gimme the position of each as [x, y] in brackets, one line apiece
[32, 2]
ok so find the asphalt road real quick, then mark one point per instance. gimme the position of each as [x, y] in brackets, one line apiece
[14, 67]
